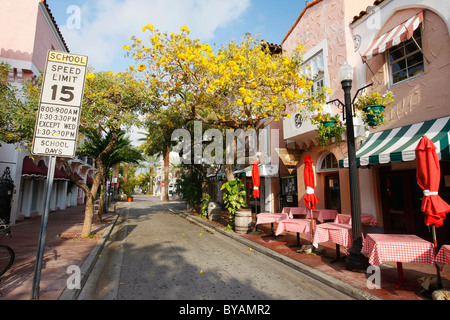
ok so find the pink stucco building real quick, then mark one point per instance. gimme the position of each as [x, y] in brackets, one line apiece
[414, 66]
[28, 32]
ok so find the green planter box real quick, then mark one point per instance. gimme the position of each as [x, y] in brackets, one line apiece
[374, 114]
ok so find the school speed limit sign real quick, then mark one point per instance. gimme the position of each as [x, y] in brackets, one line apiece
[59, 111]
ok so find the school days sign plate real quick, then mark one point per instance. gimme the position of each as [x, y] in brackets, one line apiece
[59, 111]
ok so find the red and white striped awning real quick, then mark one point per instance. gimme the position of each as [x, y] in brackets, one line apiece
[399, 34]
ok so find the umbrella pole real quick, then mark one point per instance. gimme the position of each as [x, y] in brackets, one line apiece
[312, 222]
[438, 272]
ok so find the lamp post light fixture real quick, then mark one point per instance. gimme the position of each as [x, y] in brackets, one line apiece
[356, 260]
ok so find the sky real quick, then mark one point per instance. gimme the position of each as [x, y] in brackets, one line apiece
[99, 28]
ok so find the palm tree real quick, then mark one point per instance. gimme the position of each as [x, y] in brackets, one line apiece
[151, 161]
[122, 151]
[158, 138]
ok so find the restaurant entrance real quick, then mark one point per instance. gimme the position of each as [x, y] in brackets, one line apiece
[289, 196]
[401, 199]
[332, 192]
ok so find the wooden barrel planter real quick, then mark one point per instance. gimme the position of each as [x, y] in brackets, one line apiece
[243, 221]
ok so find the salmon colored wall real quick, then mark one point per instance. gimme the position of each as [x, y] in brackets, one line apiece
[329, 20]
[44, 41]
[19, 44]
[426, 96]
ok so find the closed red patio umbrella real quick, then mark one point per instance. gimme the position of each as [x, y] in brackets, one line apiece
[310, 198]
[256, 183]
[428, 178]
[255, 179]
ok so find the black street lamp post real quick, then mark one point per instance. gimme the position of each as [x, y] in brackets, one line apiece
[356, 261]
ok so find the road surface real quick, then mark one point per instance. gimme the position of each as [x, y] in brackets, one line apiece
[154, 254]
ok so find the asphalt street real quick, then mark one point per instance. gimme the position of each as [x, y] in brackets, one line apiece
[155, 254]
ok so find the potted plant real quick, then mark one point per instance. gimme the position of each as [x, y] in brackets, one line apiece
[204, 209]
[234, 199]
[372, 106]
[128, 188]
[328, 127]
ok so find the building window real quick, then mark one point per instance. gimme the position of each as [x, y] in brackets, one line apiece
[328, 163]
[406, 59]
[313, 69]
[318, 83]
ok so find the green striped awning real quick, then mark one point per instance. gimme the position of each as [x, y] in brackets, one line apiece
[399, 144]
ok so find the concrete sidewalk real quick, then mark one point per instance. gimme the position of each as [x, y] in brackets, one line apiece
[63, 249]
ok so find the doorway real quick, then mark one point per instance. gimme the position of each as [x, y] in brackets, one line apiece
[401, 199]
[332, 192]
[289, 195]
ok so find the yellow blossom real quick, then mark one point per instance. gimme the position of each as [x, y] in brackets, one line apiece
[148, 26]
[185, 28]
[141, 67]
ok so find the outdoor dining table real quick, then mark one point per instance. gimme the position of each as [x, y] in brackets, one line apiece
[297, 211]
[347, 219]
[323, 214]
[339, 233]
[267, 217]
[443, 256]
[295, 225]
[398, 248]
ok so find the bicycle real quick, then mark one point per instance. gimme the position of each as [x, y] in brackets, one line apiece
[6, 253]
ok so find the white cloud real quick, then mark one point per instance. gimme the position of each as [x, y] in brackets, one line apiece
[106, 25]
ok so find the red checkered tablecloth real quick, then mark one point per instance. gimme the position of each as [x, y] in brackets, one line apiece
[323, 214]
[295, 225]
[347, 218]
[443, 255]
[267, 217]
[336, 232]
[397, 248]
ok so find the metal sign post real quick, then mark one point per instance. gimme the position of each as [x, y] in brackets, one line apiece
[56, 129]
[43, 232]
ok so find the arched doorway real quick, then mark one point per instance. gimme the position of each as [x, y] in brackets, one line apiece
[329, 167]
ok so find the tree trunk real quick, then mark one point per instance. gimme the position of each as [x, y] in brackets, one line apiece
[204, 182]
[151, 181]
[89, 209]
[90, 194]
[101, 200]
[116, 184]
[166, 176]
[88, 214]
[229, 172]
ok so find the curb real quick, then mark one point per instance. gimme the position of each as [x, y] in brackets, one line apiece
[89, 263]
[335, 283]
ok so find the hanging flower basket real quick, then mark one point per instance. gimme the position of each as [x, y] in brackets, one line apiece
[372, 106]
[329, 128]
[329, 123]
[374, 114]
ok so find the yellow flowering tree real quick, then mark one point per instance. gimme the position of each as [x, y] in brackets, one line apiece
[236, 87]
[111, 102]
